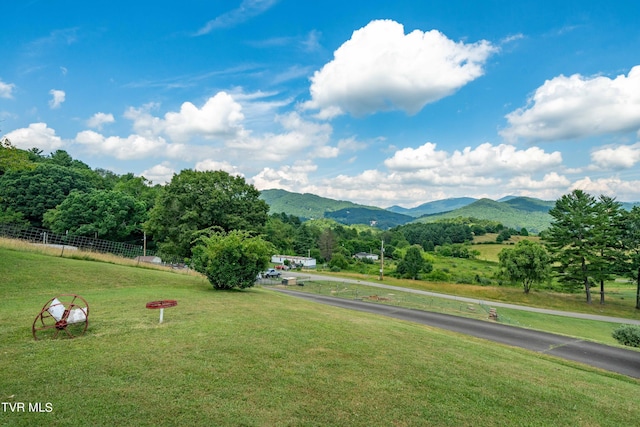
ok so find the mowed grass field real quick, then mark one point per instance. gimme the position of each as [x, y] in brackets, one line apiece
[259, 358]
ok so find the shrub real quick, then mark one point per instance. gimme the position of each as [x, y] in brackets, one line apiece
[439, 276]
[628, 335]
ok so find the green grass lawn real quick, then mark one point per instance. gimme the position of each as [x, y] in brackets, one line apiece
[259, 358]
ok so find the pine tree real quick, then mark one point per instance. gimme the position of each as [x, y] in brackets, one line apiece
[570, 239]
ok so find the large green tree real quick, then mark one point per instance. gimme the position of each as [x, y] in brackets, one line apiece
[33, 192]
[109, 215]
[231, 260]
[607, 241]
[194, 202]
[631, 242]
[570, 239]
[12, 158]
[527, 263]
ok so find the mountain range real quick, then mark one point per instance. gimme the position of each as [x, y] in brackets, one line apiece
[512, 211]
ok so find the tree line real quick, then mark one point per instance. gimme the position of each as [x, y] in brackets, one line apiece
[590, 241]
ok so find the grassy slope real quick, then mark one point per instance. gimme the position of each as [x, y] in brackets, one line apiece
[260, 358]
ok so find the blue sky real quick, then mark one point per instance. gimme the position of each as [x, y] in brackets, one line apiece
[376, 102]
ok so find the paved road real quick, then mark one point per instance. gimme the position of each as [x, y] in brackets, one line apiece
[316, 277]
[620, 360]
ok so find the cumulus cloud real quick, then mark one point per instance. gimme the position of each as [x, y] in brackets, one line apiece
[159, 174]
[417, 175]
[131, 147]
[213, 165]
[550, 181]
[219, 117]
[37, 135]
[298, 136]
[610, 186]
[382, 68]
[486, 158]
[58, 97]
[578, 106]
[620, 157]
[288, 177]
[6, 90]
[100, 119]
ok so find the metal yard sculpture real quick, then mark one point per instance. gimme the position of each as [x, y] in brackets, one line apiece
[66, 313]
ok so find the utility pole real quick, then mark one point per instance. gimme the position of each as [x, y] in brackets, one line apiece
[381, 260]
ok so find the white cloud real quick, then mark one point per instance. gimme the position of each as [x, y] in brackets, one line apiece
[299, 136]
[100, 119]
[58, 97]
[247, 10]
[611, 186]
[219, 117]
[132, 147]
[311, 43]
[213, 165]
[6, 90]
[621, 157]
[474, 162]
[422, 174]
[289, 177]
[576, 107]
[159, 174]
[511, 38]
[550, 181]
[37, 135]
[382, 68]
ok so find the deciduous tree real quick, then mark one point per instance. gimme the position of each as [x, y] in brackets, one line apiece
[527, 263]
[194, 202]
[33, 192]
[231, 260]
[109, 215]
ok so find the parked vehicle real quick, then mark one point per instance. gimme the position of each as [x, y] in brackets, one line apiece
[271, 273]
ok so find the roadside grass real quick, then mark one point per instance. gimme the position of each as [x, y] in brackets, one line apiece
[256, 357]
[619, 298]
[590, 330]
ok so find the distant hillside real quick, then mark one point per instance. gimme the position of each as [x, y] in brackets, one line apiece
[517, 212]
[629, 205]
[434, 207]
[305, 206]
[376, 217]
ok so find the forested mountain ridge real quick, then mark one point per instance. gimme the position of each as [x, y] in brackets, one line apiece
[305, 206]
[434, 207]
[518, 212]
[514, 212]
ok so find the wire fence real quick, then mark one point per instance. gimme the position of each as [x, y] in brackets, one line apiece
[82, 243]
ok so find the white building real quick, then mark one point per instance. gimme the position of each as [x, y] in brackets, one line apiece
[304, 261]
[366, 255]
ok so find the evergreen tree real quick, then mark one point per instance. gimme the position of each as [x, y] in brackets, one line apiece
[607, 241]
[570, 239]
